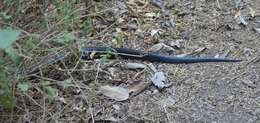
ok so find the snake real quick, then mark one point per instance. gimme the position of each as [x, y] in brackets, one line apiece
[128, 53]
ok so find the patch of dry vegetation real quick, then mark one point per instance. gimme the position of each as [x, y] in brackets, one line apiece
[62, 88]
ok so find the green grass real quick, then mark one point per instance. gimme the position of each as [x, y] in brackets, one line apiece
[30, 30]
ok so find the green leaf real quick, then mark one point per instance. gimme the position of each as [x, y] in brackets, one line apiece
[88, 26]
[2, 75]
[29, 44]
[4, 16]
[14, 55]
[7, 37]
[104, 59]
[2, 61]
[67, 83]
[69, 37]
[51, 92]
[7, 101]
[24, 86]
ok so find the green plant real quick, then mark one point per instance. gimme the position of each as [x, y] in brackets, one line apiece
[105, 57]
[67, 83]
[88, 26]
[25, 86]
[4, 16]
[7, 37]
[67, 38]
[118, 39]
[49, 90]
[7, 99]
[65, 15]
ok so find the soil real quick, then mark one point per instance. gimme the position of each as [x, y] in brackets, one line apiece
[201, 92]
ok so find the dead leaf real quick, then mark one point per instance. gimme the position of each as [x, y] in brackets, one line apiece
[240, 19]
[168, 48]
[122, 8]
[177, 43]
[78, 106]
[257, 30]
[156, 47]
[62, 99]
[155, 32]
[137, 87]
[152, 67]
[116, 107]
[159, 46]
[252, 12]
[247, 51]
[238, 14]
[134, 66]
[158, 3]
[115, 92]
[113, 71]
[150, 15]
[120, 20]
[138, 75]
[159, 80]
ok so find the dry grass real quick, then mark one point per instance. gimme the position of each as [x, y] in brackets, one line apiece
[208, 92]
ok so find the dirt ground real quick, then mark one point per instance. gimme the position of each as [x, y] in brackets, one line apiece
[201, 92]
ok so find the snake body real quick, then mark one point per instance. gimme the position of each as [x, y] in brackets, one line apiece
[152, 56]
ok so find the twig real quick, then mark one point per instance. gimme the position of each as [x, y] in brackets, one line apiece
[218, 4]
[79, 87]
[98, 69]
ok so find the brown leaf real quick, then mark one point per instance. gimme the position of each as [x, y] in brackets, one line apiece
[137, 87]
[160, 46]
